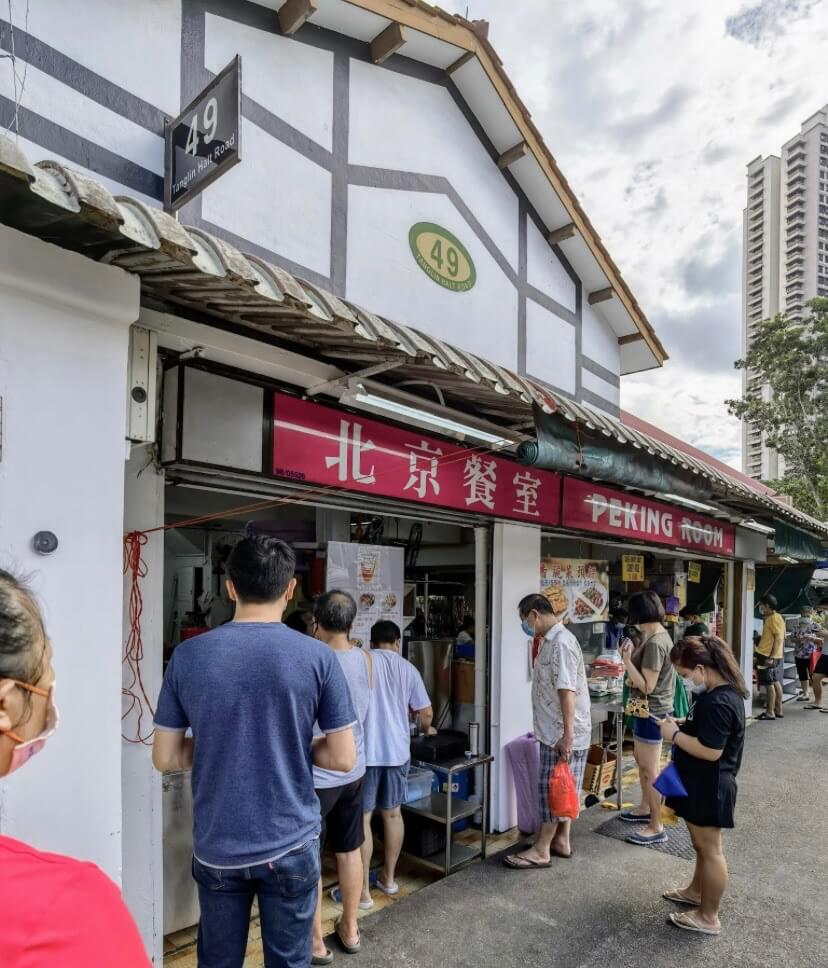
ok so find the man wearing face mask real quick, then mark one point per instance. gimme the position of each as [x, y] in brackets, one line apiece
[563, 722]
[55, 910]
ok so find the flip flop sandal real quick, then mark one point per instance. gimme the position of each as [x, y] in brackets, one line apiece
[679, 897]
[687, 923]
[326, 959]
[517, 863]
[822, 710]
[335, 895]
[351, 949]
[764, 718]
[390, 890]
[812, 705]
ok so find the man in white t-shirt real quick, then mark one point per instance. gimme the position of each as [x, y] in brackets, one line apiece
[563, 723]
[397, 688]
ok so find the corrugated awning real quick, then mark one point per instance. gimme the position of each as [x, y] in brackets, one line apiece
[192, 273]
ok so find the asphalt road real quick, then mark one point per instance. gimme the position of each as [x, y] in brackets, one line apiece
[604, 907]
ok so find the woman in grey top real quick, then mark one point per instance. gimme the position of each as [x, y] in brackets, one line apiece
[652, 681]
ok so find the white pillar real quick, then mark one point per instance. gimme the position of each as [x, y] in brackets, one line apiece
[748, 594]
[64, 323]
[143, 884]
[515, 572]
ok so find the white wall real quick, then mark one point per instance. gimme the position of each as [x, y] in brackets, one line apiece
[383, 275]
[140, 783]
[516, 554]
[598, 342]
[63, 354]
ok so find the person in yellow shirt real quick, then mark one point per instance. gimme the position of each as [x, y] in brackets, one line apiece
[769, 657]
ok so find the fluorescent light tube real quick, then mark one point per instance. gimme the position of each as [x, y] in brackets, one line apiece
[688, 502]
[361, 398]
[752, 525]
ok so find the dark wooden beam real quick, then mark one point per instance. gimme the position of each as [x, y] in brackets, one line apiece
[630, 338]
[387, 42]
[601, 295]
[562, 234]
[512, 155]
[294, 13]
[461, 62]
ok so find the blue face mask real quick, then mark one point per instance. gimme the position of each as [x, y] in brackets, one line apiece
[527, 629]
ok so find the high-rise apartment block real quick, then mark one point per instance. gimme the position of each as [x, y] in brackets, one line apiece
[785, 258]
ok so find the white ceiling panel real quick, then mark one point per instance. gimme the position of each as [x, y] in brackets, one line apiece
[429, 50]
[636, 357]
[531, 178]
[584, 263]
[479, 93]
[348, 19]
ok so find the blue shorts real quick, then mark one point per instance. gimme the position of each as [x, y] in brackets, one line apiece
[647, 731]
[384, 787]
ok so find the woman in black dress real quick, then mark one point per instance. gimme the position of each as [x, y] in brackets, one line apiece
[707, 751]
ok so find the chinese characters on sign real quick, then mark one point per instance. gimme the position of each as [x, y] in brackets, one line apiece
[321, 445]
[616, 514]
[578, 590]
[694, 571]
[373, 575]
[632, 567]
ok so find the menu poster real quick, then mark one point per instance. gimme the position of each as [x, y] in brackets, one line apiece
[374, 576]
[577, 589]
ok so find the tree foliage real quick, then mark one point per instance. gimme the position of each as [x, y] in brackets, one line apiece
[791, 357]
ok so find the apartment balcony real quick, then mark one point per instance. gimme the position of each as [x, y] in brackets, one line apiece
[796, 152]
[757, 258]
[795, 238]
[796, 194]
[796, 164]
[795, 262]
[796, 177]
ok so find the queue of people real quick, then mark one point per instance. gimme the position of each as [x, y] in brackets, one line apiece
[301, 737]
[706, 745]
[296, 715]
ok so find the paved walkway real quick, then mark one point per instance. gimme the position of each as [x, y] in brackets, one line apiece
[603, 908]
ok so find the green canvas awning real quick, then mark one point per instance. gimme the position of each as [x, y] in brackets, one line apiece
[790, 541]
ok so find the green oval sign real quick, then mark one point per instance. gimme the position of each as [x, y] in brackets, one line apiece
[442, 256]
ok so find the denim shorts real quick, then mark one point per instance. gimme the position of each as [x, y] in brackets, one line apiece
[647, 731]
[384, 787]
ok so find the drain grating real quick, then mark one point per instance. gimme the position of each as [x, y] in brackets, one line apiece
[678, 838]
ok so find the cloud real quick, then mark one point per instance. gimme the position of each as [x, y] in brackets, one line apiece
[653, 110]
[690, 406]
[762, 22]
[668, 108]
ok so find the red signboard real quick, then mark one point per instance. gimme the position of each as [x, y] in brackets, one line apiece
[321, 445]
[616, 514]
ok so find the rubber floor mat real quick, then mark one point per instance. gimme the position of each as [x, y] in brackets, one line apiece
[678, 837]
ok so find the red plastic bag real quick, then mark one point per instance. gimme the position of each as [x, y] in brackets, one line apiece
[564, 801]
[815, 657]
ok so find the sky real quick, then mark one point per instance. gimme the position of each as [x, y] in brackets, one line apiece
[652, 109]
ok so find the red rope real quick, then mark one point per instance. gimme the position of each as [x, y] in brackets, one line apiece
[135, 693]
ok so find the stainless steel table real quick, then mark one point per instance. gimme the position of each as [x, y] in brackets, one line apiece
[446, 809]
[616, 709]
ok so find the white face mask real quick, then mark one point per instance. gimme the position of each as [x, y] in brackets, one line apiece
[694, 687]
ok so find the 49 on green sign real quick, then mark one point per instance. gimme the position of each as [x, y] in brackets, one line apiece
[442, 256]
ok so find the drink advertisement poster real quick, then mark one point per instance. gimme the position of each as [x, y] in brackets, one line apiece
[374, 576]
[577, 589]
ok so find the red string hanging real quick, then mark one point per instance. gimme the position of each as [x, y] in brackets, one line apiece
[134, 692]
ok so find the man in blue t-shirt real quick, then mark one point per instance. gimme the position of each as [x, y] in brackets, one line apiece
[251, 691]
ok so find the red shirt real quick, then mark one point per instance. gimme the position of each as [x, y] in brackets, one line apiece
[58, 911]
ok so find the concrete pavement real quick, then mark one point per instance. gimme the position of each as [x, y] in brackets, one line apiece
[603, 908]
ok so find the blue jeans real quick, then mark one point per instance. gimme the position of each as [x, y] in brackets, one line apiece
[286, 889]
